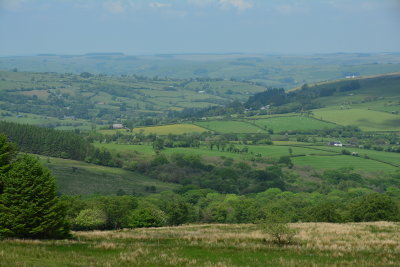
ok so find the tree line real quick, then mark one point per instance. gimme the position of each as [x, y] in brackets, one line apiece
[188, 205]
[55, 143]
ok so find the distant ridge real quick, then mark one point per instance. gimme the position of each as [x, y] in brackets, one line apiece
[105, 54]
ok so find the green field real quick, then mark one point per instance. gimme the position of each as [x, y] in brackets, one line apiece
[318, 157]
[230, 127]
[278, 151]
[297, 123]
[341, 161]
[316, 244]
[368, 120]
[170, 129]
[390, 157]
[60, 124]
[80, 178]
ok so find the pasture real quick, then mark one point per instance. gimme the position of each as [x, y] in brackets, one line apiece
[227, 126]
[344, 161]
[390, 157]
[80, 178]
[316, 244]
[295, 123]
[367, 120]
[57, 123]
[278, 151]
[170, 129]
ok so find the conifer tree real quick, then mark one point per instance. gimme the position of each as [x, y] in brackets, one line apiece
[7, 153]
[29, 207]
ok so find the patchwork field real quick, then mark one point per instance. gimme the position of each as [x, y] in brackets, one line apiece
[60, 124]
[318, 157]
[316, 244]
[282, 124]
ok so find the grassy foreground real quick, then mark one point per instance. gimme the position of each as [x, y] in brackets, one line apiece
[317, 244]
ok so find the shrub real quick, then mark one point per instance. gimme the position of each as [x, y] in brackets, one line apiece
[147, 217]
[90, 219]
[277, 227]
[374, 207]
[325, 212]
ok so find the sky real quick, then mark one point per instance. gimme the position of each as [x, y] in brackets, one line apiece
[145, 27]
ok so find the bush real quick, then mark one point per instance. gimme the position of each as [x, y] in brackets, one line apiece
[374, 207]
[90, 219]
[277, 227]
[147, 217]
[286, 160]
[325, 212]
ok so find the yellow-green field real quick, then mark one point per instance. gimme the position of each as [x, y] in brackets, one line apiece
[368, 120]
[230, 127]
[170, 129]
[316, 244]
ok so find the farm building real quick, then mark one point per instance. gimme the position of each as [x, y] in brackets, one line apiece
[117, 126]
[336, 143]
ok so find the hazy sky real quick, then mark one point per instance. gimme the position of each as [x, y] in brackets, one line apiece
[199, 26]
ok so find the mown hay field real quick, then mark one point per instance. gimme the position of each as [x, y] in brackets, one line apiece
[316, 244]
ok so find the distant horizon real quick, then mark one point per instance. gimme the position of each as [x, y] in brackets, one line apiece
[149, 27]
[195, 53]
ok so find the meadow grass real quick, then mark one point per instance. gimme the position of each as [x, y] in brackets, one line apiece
[316, 244]
[226, 126]
[295, 123]
[80, 178]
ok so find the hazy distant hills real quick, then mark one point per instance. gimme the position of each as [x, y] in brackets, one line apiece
[285, 71]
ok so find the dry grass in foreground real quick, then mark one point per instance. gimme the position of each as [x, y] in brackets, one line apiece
[317, 244]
